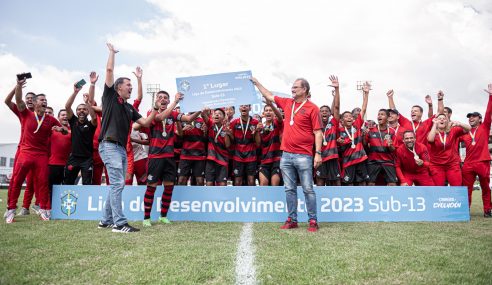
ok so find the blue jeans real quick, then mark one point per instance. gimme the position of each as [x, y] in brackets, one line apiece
[114, 158]
[295, 165]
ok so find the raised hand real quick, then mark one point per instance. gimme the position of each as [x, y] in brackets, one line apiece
[489, 89]
[428, 100]
[111, 48]
[366, 87]
[390, 93]
[187, 127]
[254, 80]
[435, 121]
[75, 88]
[22, 82]
[93, 77]
[85, 97]
[138, 72]
[334, 81]
[178, 97]
[440, 95]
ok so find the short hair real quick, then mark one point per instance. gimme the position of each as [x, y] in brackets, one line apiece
[81, 104]
[51, 108]
[346, 112]
[267, 106]
[62, 110]
[450, 111]
[420, 108]
[408, 131]
[120, 81]
[232, 107]
[385, 111]
[30, 93]
[162, 92]
[325, 106]
[35, 98]
[305, 84]
[220, 109]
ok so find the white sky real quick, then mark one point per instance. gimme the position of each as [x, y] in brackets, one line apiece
[414, 47]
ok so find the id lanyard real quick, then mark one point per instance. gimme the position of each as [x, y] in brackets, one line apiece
[415, 155]
[292, 114]
[443, 140]
[472, 135]
[40, 122]
[242, 127]
[351, 136]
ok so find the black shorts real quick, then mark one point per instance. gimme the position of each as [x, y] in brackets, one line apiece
[161, 169]
[356, 173]
[270, 169]
[194, 167]
[329, 170]
[389, 171]
[215, 172]
[244, 168]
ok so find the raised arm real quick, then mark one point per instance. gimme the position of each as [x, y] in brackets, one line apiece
[110, 66]
[365, 90]
[264, 92]
[335, 105]
[70, 100]
[93, 77]
[166, 113]
[206, 114]
[440, 102]
[8, 99]
[21, 105]
[432, 133]
[464, 126]
[145, 122]
[276, 111]
[190, 118]
[391, 101]
[138, 73]
[488, 112]
[428, 100]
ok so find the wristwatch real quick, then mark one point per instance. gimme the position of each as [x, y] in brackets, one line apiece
[318, 152]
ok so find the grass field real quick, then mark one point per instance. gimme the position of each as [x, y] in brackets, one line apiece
[76, 252]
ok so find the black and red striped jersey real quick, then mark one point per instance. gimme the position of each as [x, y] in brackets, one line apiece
[162, 142]
[352, 136]
[270, 142]
[244, 140]
[377, 142]
[194, 142]
[217, 150]
[329, 148]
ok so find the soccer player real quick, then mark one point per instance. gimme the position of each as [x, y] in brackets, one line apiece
[244, 158]
[139, 141]
[329, 171]
[301, 132]
[194, 152]
[268, 138]
[82, 131]
[117, 114]
[379, 141]
[412, 162]
[443, 140]
[354, 157]
[162, 166]
[219, 142]
[34, 152]
[420, 127]
[477, 160]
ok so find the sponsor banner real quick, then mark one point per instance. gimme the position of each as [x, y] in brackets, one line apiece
[267, 204]
[216, 91]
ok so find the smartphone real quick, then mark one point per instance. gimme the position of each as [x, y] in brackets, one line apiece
[24, 76]
[80, 83]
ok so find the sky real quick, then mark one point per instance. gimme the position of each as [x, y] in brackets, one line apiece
[415, 47]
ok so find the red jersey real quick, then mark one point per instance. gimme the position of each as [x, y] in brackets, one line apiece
[244, 139]
[194, 142]
[421, 129]
[405, 161]
[217, 150]
[270, 142]
[378, 150]
[36, 140]
[399, 130]
[299, 137]
[443, 149]
[329, 148]
[61, 147]
[479, 151]
[351, 156]
[162, 143]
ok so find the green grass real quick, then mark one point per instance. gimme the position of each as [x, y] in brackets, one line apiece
[76, 252]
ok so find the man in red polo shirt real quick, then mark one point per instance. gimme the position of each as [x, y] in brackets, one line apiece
[302, 130]
[477, 160]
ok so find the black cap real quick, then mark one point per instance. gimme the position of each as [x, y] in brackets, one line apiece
[394, 111]
[474, 114]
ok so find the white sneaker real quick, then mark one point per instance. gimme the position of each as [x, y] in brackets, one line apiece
[43, 214]
[36, 209]
[9, 216]
[24, 212]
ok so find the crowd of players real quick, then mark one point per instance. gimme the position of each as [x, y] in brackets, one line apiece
[211, 147]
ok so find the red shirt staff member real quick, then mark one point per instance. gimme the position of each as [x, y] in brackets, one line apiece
[34, 152]
[444, 159]
[412, 162]
[477, 160]
[301, 131]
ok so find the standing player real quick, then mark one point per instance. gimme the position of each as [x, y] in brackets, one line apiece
[194, 152]
[244, 158]
[477, 160]
[300, 134]
[412, 162]
[329, 171]
[82, 130]
[354, 157]
[139, 141]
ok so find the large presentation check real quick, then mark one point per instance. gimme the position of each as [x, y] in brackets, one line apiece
[216, 91]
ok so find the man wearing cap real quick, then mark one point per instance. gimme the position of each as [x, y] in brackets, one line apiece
[477, 160]
[393, 124]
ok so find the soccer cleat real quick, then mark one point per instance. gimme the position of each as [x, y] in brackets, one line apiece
[313, 226]
[36, 209]
[126, 228]
[289, 224]
[102, 225]
[146, 223]
[9, 216]
[24, 212]
[44, 215]
[164, 220]
[488, 214]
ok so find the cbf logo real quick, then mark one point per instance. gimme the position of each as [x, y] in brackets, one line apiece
[184, 86]
[69, 202]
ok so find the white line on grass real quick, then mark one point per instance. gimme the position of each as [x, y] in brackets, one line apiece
[245, 257]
